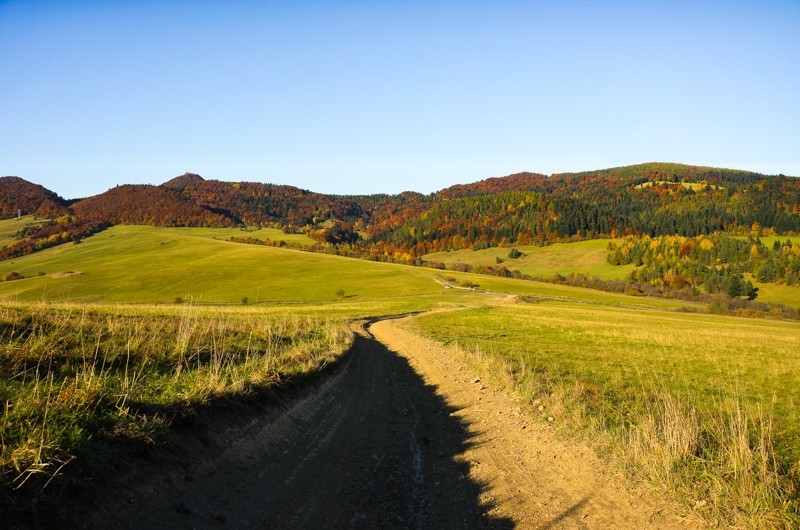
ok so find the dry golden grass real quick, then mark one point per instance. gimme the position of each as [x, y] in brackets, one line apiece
[74, 374]
[702, 405]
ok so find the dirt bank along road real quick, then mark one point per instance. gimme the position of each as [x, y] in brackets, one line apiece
[402, 436]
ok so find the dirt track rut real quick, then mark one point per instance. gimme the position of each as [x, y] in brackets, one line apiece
[399, 438]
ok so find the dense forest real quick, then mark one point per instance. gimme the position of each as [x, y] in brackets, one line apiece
[147, 205]
[716, 262]
[641, 203]
[18, 196]
[256, 203]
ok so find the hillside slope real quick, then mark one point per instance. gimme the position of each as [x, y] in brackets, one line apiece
[20, 196]
[519, 209]
[254, 202]
[147, 205]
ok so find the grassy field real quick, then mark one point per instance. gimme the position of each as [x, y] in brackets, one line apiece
[562, 292]
[146, 264]
[778, 294]
[643, 376]
[10, 227]
[262, 234]
[158, 265]
[699, 403]
[587, 257]
[73, 375]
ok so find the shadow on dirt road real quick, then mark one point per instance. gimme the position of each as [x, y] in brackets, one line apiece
[375, 447]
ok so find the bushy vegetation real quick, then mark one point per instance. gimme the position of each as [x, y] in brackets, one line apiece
[532, 209]
[255, 202]
[40, 236]
[73, 376]
[716, 262]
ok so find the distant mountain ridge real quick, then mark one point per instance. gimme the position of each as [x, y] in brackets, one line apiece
[522, 208]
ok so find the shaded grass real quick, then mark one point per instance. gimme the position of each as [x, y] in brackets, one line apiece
[704, 405]
[70, 375]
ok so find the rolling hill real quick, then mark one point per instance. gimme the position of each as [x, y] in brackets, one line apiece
[147, 205]
[523, 209]
[20, 196]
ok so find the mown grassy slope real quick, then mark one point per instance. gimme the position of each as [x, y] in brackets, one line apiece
[145, 264]
[262, 234]
[588, 257]
[158, 265]
[10, 227]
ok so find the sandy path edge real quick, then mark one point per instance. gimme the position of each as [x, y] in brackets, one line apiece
[533, 477]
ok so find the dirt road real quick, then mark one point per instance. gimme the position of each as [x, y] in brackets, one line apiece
[401, 437]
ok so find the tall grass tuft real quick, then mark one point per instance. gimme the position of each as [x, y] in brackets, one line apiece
[723, 462]
[70, 375]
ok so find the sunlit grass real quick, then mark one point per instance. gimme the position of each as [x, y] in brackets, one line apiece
[587, 257]
[683, 398]
[10, 227]
[262, 234]
[74, 375]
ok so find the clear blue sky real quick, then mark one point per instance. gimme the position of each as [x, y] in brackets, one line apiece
[371, 96]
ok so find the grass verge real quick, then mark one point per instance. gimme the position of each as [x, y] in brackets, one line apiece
[74, 376]
[702, 405]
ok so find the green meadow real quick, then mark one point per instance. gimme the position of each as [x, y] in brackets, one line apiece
[585, 257]
[778, 294]
[146, 264]
[10, 227]
[588, 257]
[706, 405]
[706, 359]
[262, 234]
[657, 383]
[159, 265]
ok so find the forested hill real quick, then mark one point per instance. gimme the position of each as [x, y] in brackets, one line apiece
[179, 183]
[20, 196]
[653, 199]
[515, 182]
[647, 199]
[149, 205]
[256, 203]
